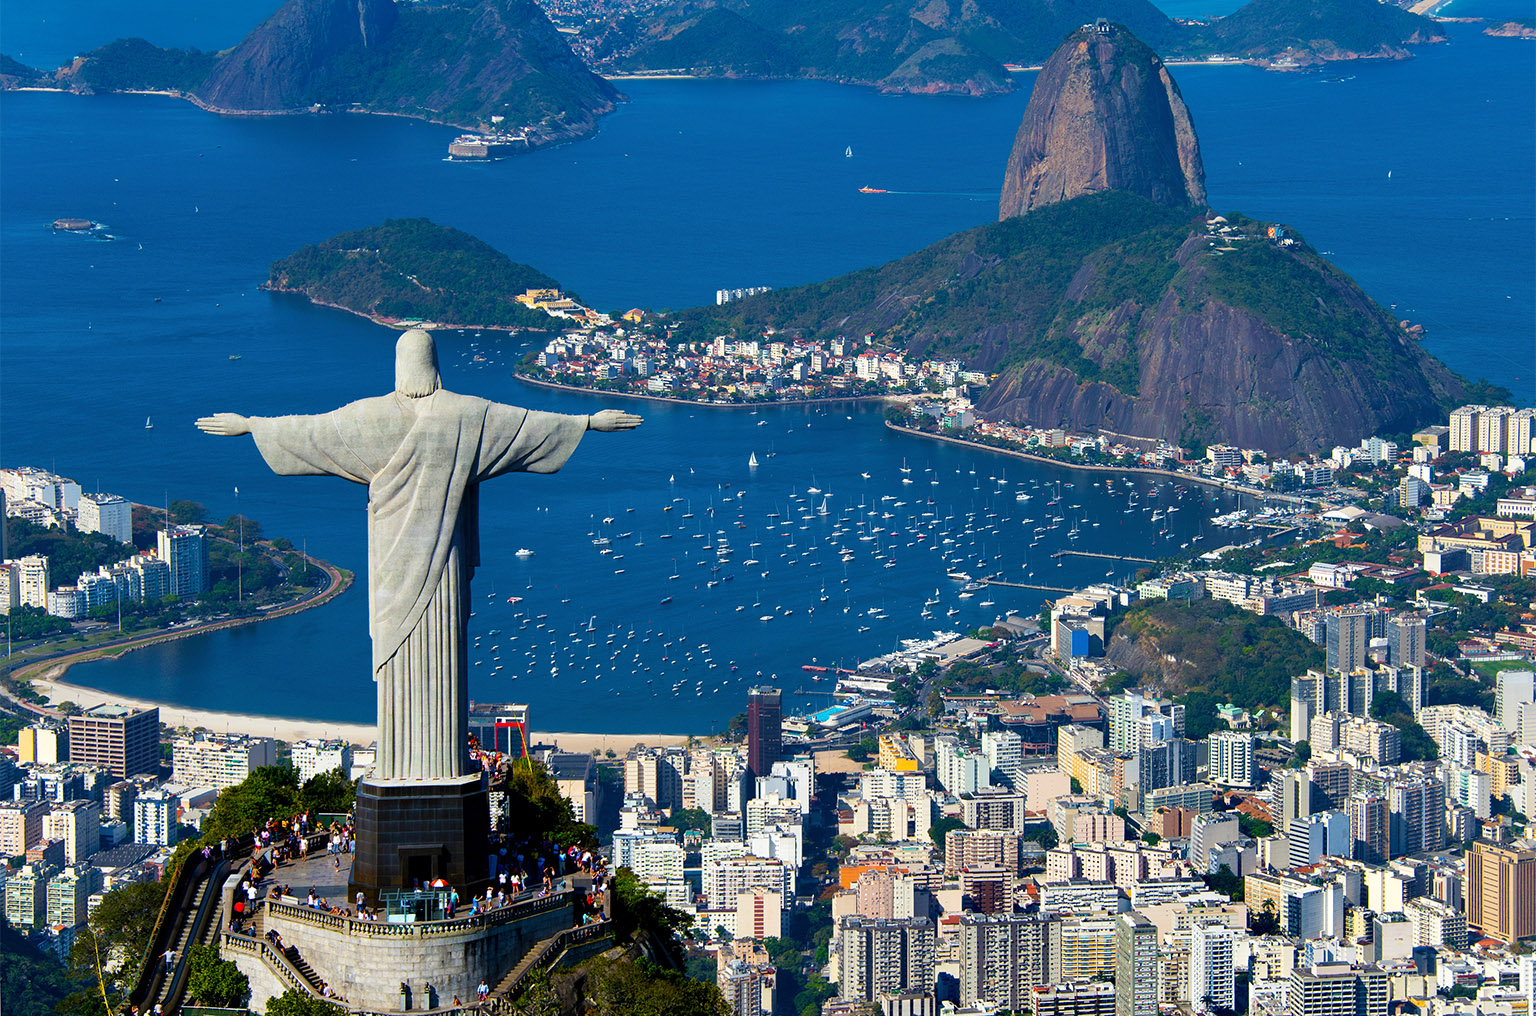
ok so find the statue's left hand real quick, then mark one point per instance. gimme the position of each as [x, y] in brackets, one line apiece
[224, 424]
[610, 420]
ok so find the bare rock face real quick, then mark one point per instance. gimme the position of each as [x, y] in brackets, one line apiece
[1105, 115]
[280, 64]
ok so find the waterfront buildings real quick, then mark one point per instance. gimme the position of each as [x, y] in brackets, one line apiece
[185, 550]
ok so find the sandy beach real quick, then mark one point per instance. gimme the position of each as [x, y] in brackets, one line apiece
[286, 729]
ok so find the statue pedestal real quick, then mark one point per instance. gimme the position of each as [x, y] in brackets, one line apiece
[418, 830]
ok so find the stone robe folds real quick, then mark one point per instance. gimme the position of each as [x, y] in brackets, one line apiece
[422, 459]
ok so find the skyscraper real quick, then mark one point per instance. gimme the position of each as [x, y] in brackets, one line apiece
[886, 956]
[1002, 958]
[1306, 703]
[1515, 689]
[1405, 640]
[1368, 828]
[1501, 889]
[1211, 972]
[185, 550]
[1135, 965]
[1231, 758]
[1348, 634]
[1295, 796]
[1418, 816]
[765, 732]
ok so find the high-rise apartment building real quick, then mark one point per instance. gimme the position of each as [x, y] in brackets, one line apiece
[219, 760]
[1306, 703]
[1002, 958]
[1082, 948]
[1336, 989]
[765, 730]
[1405, 641]
[880, 957]
[125, 742]
[746, 977]
[1231, 762]
[185, 550]
[968, 848]
[43, 743]
[1073, 999]
[107, 514]
[1417, 815]
[1368, 827]
[1346, 639]
[154, 818]
[1135, 965]
[1211, 970]
[1501, 889]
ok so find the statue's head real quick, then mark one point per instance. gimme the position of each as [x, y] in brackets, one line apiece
[416, 365]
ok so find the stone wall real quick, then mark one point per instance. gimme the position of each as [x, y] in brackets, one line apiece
[365, 962]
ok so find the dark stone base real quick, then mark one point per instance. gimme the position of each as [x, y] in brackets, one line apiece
[409, 832]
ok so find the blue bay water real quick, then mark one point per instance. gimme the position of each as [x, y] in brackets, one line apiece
[690, 187]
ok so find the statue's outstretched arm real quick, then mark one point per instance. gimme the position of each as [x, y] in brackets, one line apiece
[224, 424]
[609, 420]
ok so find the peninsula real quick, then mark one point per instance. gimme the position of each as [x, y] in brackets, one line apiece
[410, 271]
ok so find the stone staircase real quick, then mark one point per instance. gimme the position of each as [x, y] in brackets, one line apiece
[545, 953]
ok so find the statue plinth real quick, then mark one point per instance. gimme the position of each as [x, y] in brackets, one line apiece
[409, 831]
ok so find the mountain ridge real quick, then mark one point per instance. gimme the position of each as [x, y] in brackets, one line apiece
[476, 64]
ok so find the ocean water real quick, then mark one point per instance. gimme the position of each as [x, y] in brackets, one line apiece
[690, 187]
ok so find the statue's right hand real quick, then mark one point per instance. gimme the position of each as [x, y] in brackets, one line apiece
[224, 424]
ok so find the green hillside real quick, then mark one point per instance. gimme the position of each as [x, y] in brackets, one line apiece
[414, 269]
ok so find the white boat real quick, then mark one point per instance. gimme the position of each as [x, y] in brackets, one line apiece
[524, 552]
[147, 424]
[752, 460]
[848, 154]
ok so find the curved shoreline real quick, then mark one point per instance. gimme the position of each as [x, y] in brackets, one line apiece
[430, 326]
[1092, 467]
[829, 400]
[50, 671]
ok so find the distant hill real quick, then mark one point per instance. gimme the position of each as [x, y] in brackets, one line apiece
[961, 47]
[896, 45]
[459, 62]
[414, 269]
[1316, 31]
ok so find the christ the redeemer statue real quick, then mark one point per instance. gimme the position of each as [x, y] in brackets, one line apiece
[423, 452]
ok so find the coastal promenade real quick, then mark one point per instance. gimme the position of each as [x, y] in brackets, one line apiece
[47, 669]
[1234, 488]
[829, 400]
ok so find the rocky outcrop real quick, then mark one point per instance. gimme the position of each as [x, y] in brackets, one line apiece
[1104, 115]
[295, 53]
[1210, 368]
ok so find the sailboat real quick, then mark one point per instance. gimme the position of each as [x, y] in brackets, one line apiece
[147, 424]
[752, 461]
[848, 154]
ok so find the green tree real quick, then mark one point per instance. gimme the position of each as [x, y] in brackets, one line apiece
[117, 935]
[637, 911]
[215, 982]
[940, 828]
[296, 1003]
[328, 792]
[625, 988]
[1225, 882]
[692, 818]
[1302, 757]
[535, 799]
[864, 750]
[1151, 839]
[271, 792]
